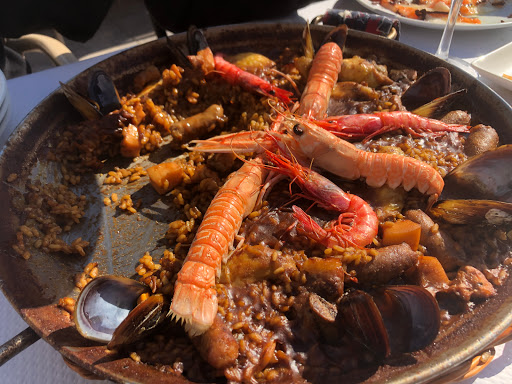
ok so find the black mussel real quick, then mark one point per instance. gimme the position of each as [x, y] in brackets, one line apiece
[411, 316]
[472, 211]
[87, 108]
[144, 318]
[359, 316]
[103, 304]
[439, 106]
[487, 176]
[103, 91]
[102, 99]
[179, 57]
[196, 40]
[433, 84]
[392, 320]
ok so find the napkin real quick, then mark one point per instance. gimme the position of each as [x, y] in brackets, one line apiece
[361, 21]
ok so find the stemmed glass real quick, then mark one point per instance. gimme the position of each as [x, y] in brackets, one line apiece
[443, 49]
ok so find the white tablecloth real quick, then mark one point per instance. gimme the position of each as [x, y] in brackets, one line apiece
[40, 363]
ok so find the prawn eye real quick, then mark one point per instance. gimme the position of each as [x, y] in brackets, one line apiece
[297, 129]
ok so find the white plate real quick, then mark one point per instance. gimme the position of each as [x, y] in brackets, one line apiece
[495, 64]
[497, 17]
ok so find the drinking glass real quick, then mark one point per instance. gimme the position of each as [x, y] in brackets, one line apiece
[443, 50]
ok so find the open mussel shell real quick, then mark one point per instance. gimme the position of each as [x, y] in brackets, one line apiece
[470, 211]
[411, 316]
[392, 320]
[196, 40]
[102, 90]
[438, 106]
[102, 99]
[89, 109]
[359, 316]
[487, 176]
[103, 304]
[433, 84]
[143, 319]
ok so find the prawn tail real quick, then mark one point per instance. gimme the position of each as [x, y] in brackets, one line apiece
[194, 302]
[195, 307]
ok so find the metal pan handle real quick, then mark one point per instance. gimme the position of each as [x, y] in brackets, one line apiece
[17, 344]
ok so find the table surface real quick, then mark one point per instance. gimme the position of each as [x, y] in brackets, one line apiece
[40, 363]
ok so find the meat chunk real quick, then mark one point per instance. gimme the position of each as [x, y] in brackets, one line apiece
[438, 243]
[325, 276]
[130, 145]
[258, 262]
[471, 284]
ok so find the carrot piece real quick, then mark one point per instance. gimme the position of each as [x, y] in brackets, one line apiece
[402, 231]
[431, 272]
[166, 176]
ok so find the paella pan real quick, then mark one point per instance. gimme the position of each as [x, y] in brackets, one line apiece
[117, 240]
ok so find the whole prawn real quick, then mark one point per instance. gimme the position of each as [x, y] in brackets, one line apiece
[368, 125]
[357, 224]
[236, 76]
[207, 63]
[195, 299]
[323, 75]
[345, 160]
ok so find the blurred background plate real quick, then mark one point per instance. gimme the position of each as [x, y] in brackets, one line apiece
[492, 17]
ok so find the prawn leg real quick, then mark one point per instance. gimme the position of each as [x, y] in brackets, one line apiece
[195, 299]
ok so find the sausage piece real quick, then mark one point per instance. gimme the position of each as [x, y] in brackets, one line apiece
[439, 244]
[391, 262]
[217, 345]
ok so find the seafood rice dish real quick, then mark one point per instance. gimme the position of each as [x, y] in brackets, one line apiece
[321, 204]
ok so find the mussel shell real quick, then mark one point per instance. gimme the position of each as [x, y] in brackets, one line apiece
[103, 304]
[437, 107]
[359, 316]
[433, 84]
[87, 108]
[103, 91]
[196, 40]
[411, 316]
[470, 211]
[179, 57]
[487, 176]
[143, 319]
